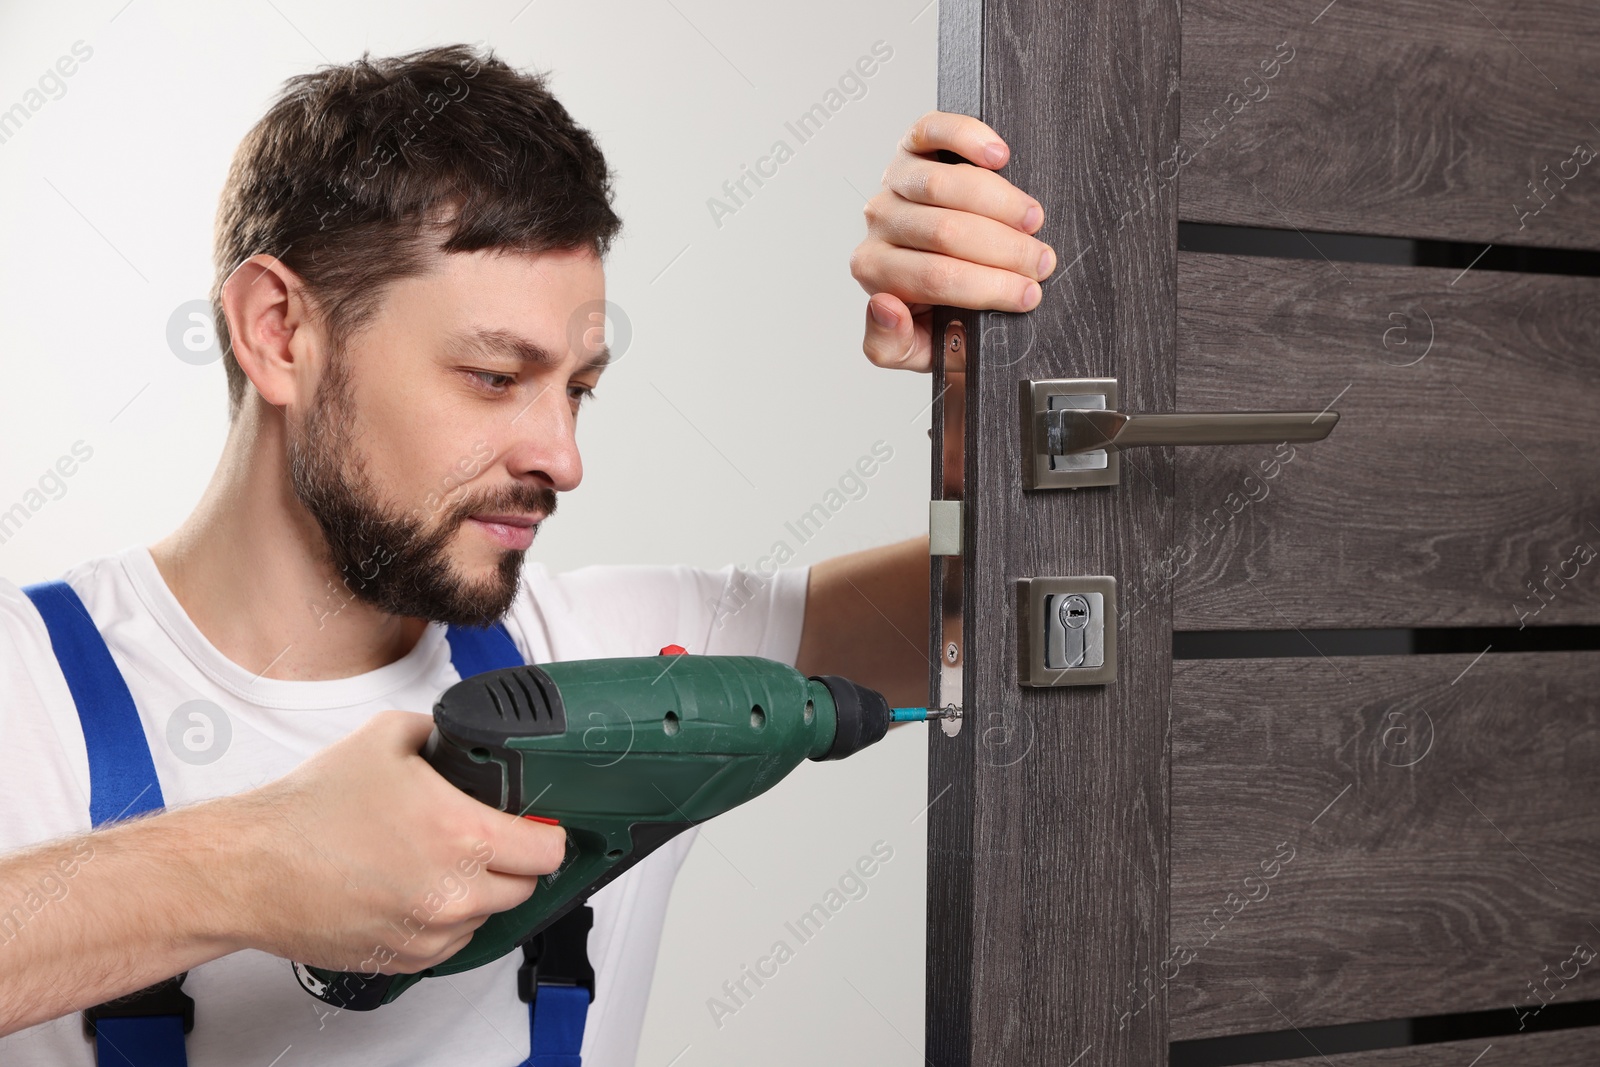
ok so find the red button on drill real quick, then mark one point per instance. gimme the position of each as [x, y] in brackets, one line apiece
[673, 650]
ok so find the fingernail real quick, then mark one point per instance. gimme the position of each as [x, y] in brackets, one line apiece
[1031, 296]
[883, 316]
[1032, 217]
[995, 154]
[1047, 262]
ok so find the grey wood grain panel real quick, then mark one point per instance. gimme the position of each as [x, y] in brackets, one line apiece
[1403, 836]
[1457, 490]
[1419, 118]
[1047, 825]
[1565, 1048]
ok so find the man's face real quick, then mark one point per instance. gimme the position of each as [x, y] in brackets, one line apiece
[437, 440]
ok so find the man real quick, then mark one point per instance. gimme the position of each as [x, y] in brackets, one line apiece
[402, 249]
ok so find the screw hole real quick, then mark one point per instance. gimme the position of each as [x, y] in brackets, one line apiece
[811, 712]
[614, 854]
[758, 718]
[479, 753]
[669, 723]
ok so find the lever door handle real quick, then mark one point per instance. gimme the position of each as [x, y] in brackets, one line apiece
[1072, 431]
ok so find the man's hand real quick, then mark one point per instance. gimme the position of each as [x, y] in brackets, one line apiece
[945, 233]
[375, 861]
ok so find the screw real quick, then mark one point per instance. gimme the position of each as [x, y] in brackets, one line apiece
[951, 652]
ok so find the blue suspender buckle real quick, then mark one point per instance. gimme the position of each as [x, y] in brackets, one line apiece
[163, 998]
[558, 956]
[557, 982]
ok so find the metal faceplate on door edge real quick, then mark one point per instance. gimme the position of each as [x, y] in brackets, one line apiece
[950, 404]
[1045, 634]
[1040, 471]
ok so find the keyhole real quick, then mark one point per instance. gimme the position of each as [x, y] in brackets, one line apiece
[1074, 612]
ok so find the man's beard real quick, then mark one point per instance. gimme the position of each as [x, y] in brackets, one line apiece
[386, 557]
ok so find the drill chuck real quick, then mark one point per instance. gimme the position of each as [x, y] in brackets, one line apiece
[862, 716]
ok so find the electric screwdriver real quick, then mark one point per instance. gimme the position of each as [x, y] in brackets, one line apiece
[623, 754]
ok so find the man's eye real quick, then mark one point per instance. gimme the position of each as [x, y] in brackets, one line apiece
[496, 382]
[582, 393]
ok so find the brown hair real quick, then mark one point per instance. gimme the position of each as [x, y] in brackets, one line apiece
[359, 174]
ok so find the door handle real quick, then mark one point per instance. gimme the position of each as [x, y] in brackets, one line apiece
[1073, 434]
[1069, 431]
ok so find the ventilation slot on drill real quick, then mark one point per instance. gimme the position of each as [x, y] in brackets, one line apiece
[516, 706]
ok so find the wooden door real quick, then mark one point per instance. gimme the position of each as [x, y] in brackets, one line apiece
[1343, 793]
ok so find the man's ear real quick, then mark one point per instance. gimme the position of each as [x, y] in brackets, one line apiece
[270, 330]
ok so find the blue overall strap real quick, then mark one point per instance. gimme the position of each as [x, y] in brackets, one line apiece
[557, 1013]
[122, 783]
[474, 650]
[122, 777]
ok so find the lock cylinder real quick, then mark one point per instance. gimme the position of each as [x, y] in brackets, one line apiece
[1067, 630]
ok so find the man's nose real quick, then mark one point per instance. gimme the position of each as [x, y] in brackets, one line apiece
[546, 441]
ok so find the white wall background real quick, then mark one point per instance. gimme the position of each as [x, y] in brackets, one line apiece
[750, 331]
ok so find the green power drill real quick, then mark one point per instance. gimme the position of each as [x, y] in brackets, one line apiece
[624, 754]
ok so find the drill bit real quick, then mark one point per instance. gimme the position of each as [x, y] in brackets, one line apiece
[949, 711]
